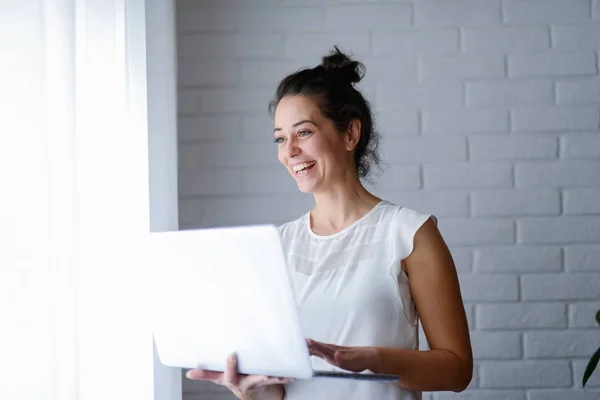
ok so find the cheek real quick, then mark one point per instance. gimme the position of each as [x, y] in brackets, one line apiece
[281, 157]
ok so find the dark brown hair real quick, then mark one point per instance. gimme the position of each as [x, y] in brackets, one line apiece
[331, 86]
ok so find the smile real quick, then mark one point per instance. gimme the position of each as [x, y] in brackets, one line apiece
[304, 168]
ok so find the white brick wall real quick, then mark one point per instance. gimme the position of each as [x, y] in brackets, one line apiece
[490, 116]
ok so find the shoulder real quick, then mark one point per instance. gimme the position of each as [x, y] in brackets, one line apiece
[405, 217]
[405, 222]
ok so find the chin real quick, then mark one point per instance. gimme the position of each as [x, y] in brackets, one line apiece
[304, 188]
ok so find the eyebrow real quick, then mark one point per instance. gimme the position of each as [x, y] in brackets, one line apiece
[296, 124]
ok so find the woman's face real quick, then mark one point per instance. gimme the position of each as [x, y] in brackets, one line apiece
[313, 151]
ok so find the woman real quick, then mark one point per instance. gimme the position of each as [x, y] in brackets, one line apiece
[364, 270]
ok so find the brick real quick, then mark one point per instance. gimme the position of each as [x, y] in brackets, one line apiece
[478, 394]
[267, 73]
[585, 145]
[496, 345]
[561, 344]
[482, 288]
[462, 66]
[573, 394]
[518, 259]
[397, 123]
[227, 211]
[546, 11]
[400, 176]
[465, 121]
[582, 258]
[416, 42]
[581, 286]
[581, 91]
[202, 19]
[513, 147]
[467, 175]
[368, 16]
[317, 44]
[222, 127]
[578, 370]
[268, 181]
[525, 374]
[470, 311]
[583, 315]
[576, 37]
[424, 150]
[457, 13]
[390, 69]
[515, 202]
[202, 73]
[550, 119]
[509, 93]
[551, 64]
[282, 19]
[463, 259]
[230, 45]
[506, 39]
[460, 231]
[520, 316]
[214, 155]
[234, 100]
[187, 102]
[422, 95]
[563, 173]
[559, 230]
[205, 182]
[258, 128]
[581, 201]
[442, 203]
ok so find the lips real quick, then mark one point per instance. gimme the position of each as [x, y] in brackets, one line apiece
[303, 168]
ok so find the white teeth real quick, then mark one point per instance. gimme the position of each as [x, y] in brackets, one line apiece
[300, 167]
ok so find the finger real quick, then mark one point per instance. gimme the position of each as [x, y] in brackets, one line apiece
[322, 348]
[230, 376]
[325, 357]
[329, 345]
[205, 375]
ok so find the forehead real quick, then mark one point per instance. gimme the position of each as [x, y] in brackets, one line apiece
[292, 109]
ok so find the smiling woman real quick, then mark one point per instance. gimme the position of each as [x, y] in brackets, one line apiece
[365, 271]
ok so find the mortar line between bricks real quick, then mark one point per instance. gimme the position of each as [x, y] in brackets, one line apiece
[502, 13]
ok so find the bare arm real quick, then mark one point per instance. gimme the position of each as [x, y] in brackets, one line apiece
[435, 289]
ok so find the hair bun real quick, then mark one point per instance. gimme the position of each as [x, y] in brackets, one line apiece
[343, 67]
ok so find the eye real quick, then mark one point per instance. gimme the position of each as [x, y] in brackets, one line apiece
[278, 140]
[304, 133]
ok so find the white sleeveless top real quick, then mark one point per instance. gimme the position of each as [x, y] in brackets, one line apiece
[351, 291]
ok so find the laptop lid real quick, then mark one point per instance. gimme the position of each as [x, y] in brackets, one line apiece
[224, 290]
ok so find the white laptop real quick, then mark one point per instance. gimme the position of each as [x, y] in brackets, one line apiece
[227, 290]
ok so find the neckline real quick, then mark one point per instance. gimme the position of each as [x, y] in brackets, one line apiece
[352, 225]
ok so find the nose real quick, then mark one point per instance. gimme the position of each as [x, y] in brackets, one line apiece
[292, 149]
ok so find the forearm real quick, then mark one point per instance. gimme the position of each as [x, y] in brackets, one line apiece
[431, 370]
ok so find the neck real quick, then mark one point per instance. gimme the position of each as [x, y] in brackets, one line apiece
[340, 206]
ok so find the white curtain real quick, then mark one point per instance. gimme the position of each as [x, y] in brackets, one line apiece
[73, 200]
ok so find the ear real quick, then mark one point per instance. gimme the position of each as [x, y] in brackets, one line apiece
[353, 134]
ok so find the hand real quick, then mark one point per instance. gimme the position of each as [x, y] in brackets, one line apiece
[355, 359]
[243, 386]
